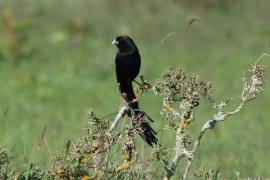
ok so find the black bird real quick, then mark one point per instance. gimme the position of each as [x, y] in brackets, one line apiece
[128, 63]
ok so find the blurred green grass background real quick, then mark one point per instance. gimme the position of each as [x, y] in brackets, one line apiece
[57, 62]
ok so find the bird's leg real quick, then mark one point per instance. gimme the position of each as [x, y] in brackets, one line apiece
[142, 78]
[140, 84]
[137, 82]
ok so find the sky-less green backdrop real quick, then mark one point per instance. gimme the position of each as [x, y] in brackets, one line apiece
[64, 65]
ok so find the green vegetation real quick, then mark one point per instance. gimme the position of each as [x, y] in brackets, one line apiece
[57, 62]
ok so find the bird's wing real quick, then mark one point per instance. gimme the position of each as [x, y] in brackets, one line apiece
[127, 66]
[120, 68]
[135, 65]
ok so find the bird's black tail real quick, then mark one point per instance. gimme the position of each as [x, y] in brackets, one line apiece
[146, 132]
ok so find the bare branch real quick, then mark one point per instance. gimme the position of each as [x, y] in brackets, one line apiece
[180, 142]
[251, 87]
[118, 117]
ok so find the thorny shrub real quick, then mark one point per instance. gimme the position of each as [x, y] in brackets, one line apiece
[94, 157]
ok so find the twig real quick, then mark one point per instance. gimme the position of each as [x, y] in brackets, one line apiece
[118, 117]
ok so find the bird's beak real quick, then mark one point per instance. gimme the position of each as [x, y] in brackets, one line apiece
[115, 42]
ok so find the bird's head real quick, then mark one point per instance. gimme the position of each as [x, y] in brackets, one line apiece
[125, 44]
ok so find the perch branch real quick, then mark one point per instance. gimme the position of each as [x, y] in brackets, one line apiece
[145, 85]
[118, 117]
